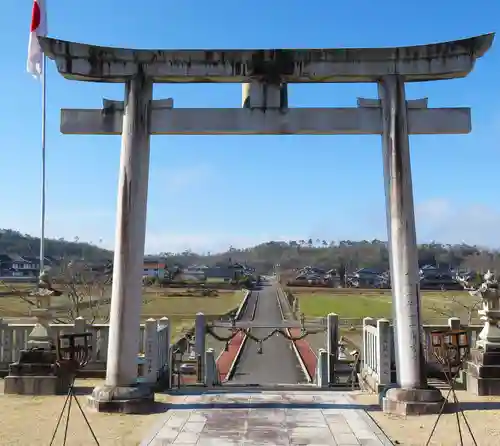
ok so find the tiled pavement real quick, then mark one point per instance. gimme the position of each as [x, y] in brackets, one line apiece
[266, 419]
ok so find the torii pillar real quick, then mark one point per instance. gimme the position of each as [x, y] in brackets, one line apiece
[120, 392]
[413, 395]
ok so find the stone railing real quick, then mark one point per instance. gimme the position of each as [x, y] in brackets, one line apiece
[156, 350]
[378, 368]
[154, 345]
[378, 351]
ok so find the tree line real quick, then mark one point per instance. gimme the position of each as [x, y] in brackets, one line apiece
[14, 243]
[354, 254]
[290, 254]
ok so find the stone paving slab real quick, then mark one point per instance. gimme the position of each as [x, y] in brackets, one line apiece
[266, 418]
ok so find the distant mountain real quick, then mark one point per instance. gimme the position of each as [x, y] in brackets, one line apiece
[289, 255]
[347, 254]
[13, 242]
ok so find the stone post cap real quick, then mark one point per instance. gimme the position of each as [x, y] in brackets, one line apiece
[42, 313]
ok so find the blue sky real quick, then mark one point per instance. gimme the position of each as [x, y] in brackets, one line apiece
[209, 192]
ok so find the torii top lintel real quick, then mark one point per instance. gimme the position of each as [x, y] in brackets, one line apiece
[436, 61]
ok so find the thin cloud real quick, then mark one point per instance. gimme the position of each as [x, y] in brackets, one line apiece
[449, 222]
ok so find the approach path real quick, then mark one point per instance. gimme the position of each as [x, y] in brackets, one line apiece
[277, 364]
[258, 418]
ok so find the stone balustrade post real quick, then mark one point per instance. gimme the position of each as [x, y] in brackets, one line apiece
[151, 353]
[367, 347]
[80, 325]
[200, 332]
[210, 368]
[454, 323]
[164, 322]
[322, 369]
[384, 351]
[332, 344]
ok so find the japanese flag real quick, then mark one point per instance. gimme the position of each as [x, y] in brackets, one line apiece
[38, 28]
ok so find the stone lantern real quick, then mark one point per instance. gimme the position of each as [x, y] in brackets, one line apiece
[36, 372]
[483, 366]
[488, 291]
[41, 335]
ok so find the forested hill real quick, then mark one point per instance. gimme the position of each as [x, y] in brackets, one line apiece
[13, 242]
[292, 254]
[353, 254]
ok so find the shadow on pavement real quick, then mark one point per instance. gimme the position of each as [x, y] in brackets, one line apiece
[83, 390]
[473, 405]
[273, 405]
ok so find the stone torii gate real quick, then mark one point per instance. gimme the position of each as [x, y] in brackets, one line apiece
[264, 75]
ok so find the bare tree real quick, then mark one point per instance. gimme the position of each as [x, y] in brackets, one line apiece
[458, 307]
[71, 290]
[86, 291]
[481, 261]
[469, 307]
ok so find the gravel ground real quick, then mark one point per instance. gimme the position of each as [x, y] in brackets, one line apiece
[28, 421]
[483, 414]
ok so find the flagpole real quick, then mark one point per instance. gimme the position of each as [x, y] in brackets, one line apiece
[42, 198]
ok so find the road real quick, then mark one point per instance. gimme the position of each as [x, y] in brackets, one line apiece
[277, 364]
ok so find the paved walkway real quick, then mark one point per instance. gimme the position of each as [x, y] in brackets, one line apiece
[226, 358]
[266, 419]
[277, 364]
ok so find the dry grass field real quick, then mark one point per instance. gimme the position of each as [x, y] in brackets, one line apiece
[180, 305]
[43, 411]
[128, 430]
[356, 304]
[482, 414]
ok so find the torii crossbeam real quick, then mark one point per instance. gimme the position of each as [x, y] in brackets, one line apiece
[366, 119]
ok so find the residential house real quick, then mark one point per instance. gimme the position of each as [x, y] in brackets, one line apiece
[311, 275]
[5, 265]
[154, 266]
[433, 277]
[473, 277]
[240, 270]
[221, 274]
[21, 266]
[367, 278]
[333, 278]
[193, 273]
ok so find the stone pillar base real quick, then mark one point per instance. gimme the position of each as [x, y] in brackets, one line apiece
[412, 401]
[137, 399]
[483, 386]
[36, 373]
[483, 372]
[35, 385]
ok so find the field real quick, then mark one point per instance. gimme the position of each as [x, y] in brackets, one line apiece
[181, 309]
[179, 305]
[482, 414]
[43, 411]
[357, 303]
[436, 307]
